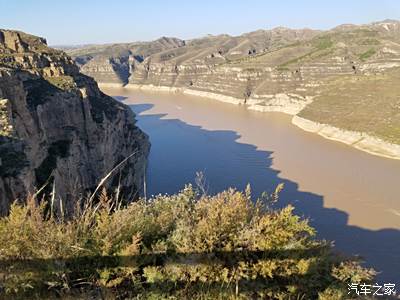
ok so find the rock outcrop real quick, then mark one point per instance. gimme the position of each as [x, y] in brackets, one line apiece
[57, 129]
[111, 65]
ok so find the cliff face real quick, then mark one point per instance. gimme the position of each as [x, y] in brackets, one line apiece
[279, 70]
[243, 68]
[57, 128]
[272, 70]
[113, 64]
[345, 78]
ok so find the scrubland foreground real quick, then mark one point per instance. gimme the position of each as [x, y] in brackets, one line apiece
[184, 246]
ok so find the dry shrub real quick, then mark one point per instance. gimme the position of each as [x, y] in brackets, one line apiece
[181, 246]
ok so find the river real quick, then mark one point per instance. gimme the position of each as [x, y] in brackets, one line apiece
[351, 197]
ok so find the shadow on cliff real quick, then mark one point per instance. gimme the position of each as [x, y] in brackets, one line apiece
[180, 150]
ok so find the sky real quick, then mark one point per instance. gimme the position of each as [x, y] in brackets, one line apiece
[73, 22]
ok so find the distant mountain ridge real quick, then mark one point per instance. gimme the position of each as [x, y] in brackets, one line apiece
[110, 61]
[295, 71]
[115, 63]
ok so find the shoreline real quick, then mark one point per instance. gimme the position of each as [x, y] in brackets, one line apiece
[359, 140]
[355, 139]
[274, 108]
[110, 85]
[186, 91]
[252, 103]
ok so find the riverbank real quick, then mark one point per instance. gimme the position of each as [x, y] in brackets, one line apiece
[187, 91]
[280, 102]
[358, 140]
[110, 85]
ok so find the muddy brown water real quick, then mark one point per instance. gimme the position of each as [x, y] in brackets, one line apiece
[350, 197]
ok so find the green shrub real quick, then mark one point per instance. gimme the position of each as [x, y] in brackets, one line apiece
[171, 247]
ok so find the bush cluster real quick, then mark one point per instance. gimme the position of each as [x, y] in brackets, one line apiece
[183, 246]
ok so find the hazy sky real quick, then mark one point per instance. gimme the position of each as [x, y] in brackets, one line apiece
[90, 21]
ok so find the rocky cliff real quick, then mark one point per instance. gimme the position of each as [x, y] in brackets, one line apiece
[331, 77]
[273, 70]
[57, 129]
[113, 64]
[277, 70]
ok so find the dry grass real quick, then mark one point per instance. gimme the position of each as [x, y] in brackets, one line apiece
[180, 246]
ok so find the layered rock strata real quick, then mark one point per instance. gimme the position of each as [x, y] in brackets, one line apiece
[58, 130]
[282, 70]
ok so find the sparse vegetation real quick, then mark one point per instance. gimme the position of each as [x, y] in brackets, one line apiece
[368, 104]
[184, 246]
[39, 91]
[322, 43]
[370, 41]
[367, 54]
[62, 82]
[12, 160]
[319, 44]
[103, 106]
[5, 126]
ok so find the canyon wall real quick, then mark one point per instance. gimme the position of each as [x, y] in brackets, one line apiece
[271, 70]
[283, 70]
[58, 130]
